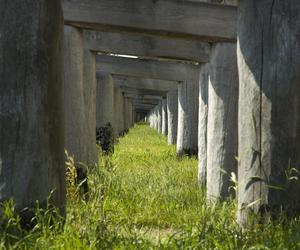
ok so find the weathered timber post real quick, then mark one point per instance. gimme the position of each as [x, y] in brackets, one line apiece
[77, 135]
[156, 117]
[202, 128]
[172, 105]
[89, 87]
[126, 114]
[151, 118]
[222, 120]
[105, 111]
[31, 104]
[118, 110]
[75, 127]
[187, 132]
[122, 115]
[269, 107]
[164, 123]
[131, 122]
[159, 117]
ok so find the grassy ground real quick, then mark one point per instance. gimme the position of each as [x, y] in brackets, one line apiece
[142, 197]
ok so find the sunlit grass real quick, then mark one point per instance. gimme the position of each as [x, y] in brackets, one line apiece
[143, 197]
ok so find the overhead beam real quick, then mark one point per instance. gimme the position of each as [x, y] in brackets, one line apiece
[172, 71]
[139, 99]
[146, 46]
[145, 103]
[147, 107]
[144, 83]
[173, 18]
[143, 92]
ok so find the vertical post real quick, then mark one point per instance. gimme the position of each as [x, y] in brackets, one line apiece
[122, 114]
[31, 104]
[172, 106]
[202, 128]
[126, 114]
[118, 111]
[105, 111]
[164, 123]
[89, 87]
[269, 107]
[188, 103]
[156, 118]
[159, 117]
[75, 136]
[131, 114]
[222, 120]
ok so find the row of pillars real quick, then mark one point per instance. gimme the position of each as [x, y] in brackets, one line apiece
[112, 106]
[201, 117]
[92, 102]
[260, 125]
[246, 125]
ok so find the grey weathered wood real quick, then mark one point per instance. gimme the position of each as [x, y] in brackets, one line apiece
[146, 46]
[153, 111]
[144, 83]
[89, 86]
[226, 2]
[75, 131]
[143, 92]
[118, 111]
[172, 71]
[269, 125]
[187, 130]
[126, 114]
[172, 105]
[143, 106]
[135, 100]
[150, 118]
[222, 120]
[156, 117]
[159, 117]
[174, 18]
[164, 123]
[130, 114]
[202, 128]
[31, 104]
[105, 100]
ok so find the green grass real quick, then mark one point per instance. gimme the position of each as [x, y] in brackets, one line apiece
[143, 197]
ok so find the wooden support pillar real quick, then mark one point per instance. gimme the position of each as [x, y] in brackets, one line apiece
[172, 105]
[122, 115]
[159, 117]
[105, 111]
[31, 105]
[75, 119]
[269, 107]
[187, 133]
[118, 111]
[222, 120]
[89, 87]
[131, 114]
[126, 114]
[202, 128]
[164, 123]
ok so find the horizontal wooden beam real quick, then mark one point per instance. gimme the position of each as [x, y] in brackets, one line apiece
[147, 46]
[172, 18]
[143, 92]
[143, 101]
[171, 71]
[143, 83]
[142, 107]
